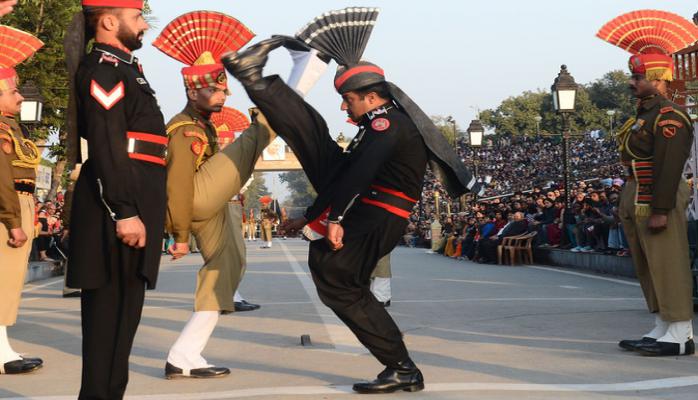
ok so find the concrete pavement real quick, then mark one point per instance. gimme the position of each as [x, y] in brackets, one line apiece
[476, 331]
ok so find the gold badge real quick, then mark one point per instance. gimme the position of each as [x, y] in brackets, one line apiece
[669, 132]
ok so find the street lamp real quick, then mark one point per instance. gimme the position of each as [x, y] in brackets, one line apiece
[564, 91]
[476, 132]
[455, 131]
[33, 104]
[610, 114]
[538, 118]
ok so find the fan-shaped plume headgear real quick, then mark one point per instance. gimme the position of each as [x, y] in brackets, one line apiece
[228, 123]
[15, 47]
[343, 35]
[651, 36]
[199, 39]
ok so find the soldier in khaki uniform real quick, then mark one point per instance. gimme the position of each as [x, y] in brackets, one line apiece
[268, 220]
[201, 181]
[654, 148]
[252, 227]
[19, 158]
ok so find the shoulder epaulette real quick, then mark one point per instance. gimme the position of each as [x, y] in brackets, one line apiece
[171, 128]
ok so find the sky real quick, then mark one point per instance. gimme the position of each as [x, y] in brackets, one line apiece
[452, 57]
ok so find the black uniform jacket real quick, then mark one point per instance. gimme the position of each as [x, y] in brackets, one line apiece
[388, 151]
[113, 99]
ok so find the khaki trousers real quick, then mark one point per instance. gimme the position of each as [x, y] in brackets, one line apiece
[382, 269]
[266, 232]
[14, 264]
[215, 183]
[661, 259]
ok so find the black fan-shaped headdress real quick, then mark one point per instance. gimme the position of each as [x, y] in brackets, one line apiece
[343, 35]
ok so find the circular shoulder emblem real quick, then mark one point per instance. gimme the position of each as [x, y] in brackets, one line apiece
[380, 124]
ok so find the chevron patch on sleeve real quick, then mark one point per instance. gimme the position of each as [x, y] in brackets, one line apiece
[107, 99]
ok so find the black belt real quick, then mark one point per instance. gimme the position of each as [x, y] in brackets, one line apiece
[391, 200]
[25, 187]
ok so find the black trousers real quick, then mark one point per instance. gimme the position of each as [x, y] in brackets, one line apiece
[343, 281]
[110, 317]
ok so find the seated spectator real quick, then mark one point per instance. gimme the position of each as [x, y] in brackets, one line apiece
[488, 246]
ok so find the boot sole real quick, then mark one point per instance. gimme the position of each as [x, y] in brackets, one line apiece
[410, 388]
[180, 376]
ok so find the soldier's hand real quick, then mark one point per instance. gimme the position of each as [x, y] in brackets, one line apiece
[178, 250]
[6, 6]
[17, 238]
[291, 226]
[131, 231]
[335, 234]
[657, 223]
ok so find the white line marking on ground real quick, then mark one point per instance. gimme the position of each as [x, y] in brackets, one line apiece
[601, 278]
[653, 384]
[524, 299]
[342, 338]
[31, 288]
[478, 282]
[569, 287]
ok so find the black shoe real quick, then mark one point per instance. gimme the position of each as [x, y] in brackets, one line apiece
[172, 372]
[632, 345]
[245, 306]
[35, 360]
[659, 349]
[22, 366]
[72, 294]
[386, 304]
[405, 377]
[247, 66]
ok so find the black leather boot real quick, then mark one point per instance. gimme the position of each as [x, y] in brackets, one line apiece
[663, 349]
[405, 376]
[247, 66]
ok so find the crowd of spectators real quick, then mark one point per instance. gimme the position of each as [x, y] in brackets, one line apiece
[526, 195]
[48, 229]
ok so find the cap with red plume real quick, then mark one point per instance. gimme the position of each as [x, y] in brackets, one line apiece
[15, 47]
[651, 36]
[228, 123]
[113, 3]
[343, 35]
[199, 39]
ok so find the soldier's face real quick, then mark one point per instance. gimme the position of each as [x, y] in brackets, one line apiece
[356, 106]
[209, 100]
[132, 27]
[641, 87]
[10, 101]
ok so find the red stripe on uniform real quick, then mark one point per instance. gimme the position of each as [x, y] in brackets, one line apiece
[397, 211]
[147, 137]
[393, 192]
[148, 158]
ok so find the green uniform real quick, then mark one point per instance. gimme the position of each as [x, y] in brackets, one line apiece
[18, 160]
[654, 148]
[200, 182]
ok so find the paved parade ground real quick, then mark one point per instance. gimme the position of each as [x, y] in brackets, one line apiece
[476, 331]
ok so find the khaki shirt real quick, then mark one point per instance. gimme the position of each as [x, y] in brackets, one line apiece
[663, 134]
[192, 141]
[19, 158]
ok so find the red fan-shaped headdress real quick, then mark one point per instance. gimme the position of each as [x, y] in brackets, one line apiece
[228, 123]
[651, 36]
[15, 47]
[199, 39]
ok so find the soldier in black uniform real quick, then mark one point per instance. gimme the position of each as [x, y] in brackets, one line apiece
[365, 194]
[119, 200]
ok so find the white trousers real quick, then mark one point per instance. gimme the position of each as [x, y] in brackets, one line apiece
[186, 351]
[380, 287]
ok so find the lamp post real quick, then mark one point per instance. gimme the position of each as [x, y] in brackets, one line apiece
[455, 132]
[538, 118]
[610, 114]
[564, 91]
[33, 104]
[475, 134]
